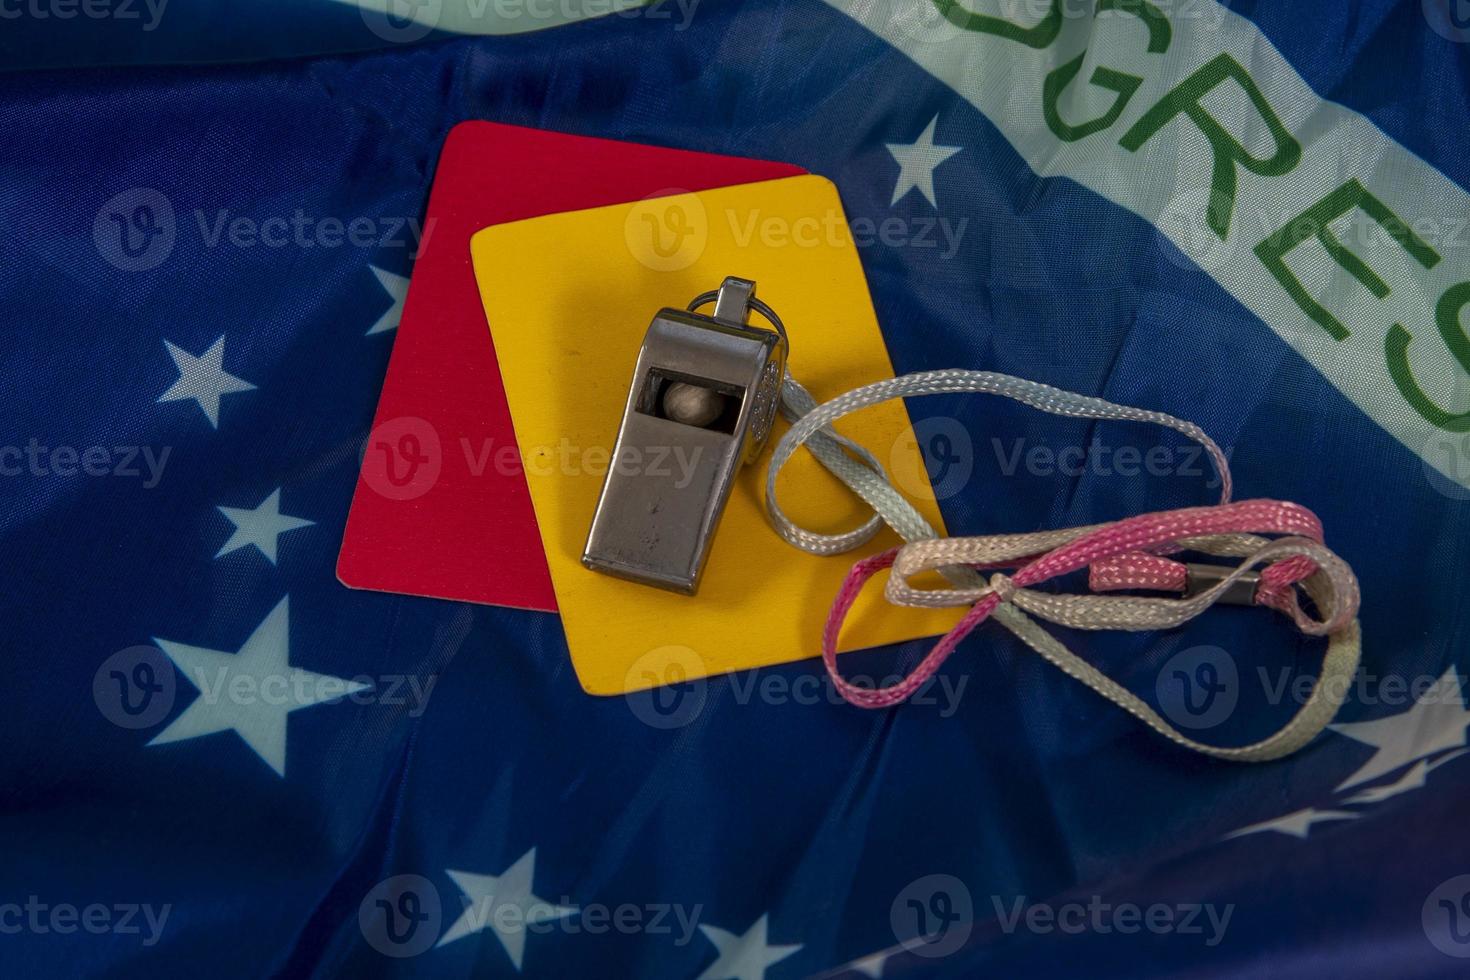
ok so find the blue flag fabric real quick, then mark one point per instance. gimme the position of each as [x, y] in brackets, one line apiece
[194, 345]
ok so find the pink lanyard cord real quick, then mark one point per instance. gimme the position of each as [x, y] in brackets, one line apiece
[1130, 554]
[1122, 550]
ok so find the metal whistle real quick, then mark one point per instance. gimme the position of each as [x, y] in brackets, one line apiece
[705, 393]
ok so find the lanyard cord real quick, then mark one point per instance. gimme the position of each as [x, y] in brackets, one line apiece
[1125, 554]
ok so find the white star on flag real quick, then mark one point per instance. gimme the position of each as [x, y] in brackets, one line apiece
[1414, 777]
[743, 957]
[250, 692]
[203, 379]
[505, 903]
[260, 526]
[396, 287]
[1297, 824]
[1435, 723]
[916, 163]
[874, 964]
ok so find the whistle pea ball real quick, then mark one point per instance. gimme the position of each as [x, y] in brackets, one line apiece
[692, 405]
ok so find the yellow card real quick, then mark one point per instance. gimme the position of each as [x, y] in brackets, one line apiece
[569, 297]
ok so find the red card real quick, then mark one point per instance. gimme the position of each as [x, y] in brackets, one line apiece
[441, 507]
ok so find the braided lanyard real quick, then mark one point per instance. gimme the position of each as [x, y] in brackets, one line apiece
[1127, 554]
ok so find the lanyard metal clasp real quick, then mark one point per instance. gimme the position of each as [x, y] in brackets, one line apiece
[1201, 578]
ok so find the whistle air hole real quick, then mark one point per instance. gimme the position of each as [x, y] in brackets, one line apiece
[695, 402]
